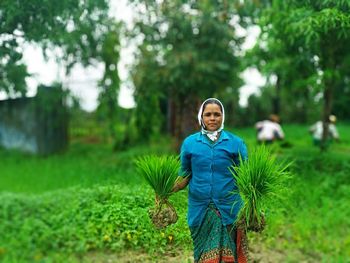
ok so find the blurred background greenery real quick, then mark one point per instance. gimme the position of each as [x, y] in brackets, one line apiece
[87, 204]
[90, 205]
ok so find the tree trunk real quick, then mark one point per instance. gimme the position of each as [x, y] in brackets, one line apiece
[277, 98]
[185, 121]
[171, 116]
[179, 109]
[327, 109]
[329, 66]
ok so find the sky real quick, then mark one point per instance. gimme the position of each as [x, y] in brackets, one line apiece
[82, 82]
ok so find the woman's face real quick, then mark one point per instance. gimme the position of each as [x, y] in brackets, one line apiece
[212, 117]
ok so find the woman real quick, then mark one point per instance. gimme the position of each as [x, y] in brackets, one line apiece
[212, 208]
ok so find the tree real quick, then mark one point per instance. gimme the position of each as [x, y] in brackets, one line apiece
[323, 28]
[284, 64]
[110, 83]
[148, 94]
[76, 27]
[194, 46]
[81, 30]
[315, 36]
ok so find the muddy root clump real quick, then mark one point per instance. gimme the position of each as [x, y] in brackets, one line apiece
[163, 215]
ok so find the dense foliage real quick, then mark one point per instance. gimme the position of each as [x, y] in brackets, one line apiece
[179, 63]
[111, 218]
[89, 203]
[75, 27]
[303, 50]
[71, 32]
[187, 52]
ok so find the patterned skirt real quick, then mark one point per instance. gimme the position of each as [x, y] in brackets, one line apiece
[215, 243]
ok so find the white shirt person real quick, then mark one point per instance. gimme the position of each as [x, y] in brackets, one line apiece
[317, 130]
[269, 130]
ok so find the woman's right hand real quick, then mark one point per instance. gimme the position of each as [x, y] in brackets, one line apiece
[175, 188]
[181, 184]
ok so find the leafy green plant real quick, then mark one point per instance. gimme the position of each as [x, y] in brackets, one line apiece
[75, 221]
[46, 220]
[260, 180]
[161, 173]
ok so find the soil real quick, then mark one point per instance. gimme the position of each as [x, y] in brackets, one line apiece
[258, 254]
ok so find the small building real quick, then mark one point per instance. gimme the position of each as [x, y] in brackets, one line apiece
[37, 125]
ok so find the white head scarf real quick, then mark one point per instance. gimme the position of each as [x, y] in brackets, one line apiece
[212, 135]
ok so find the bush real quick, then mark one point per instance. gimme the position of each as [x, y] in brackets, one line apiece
[77, 220]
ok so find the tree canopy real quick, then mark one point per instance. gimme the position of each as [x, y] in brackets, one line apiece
[76, 27]
[305, 46]
[191, 48]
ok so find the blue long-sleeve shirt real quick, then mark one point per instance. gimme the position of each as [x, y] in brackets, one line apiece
[207, 163]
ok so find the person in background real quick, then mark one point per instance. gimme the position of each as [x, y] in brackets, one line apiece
[212, 207]
[269, 130]
[317, 130]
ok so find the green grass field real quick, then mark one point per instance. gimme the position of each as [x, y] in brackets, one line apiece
[89, 205]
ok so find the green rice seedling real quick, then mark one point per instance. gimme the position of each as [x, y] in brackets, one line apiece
[161, 173]
[261, 180]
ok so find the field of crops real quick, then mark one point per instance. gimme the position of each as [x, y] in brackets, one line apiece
[89, 205]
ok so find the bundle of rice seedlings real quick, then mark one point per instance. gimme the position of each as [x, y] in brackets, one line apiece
[161, 173]
[261, 180]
